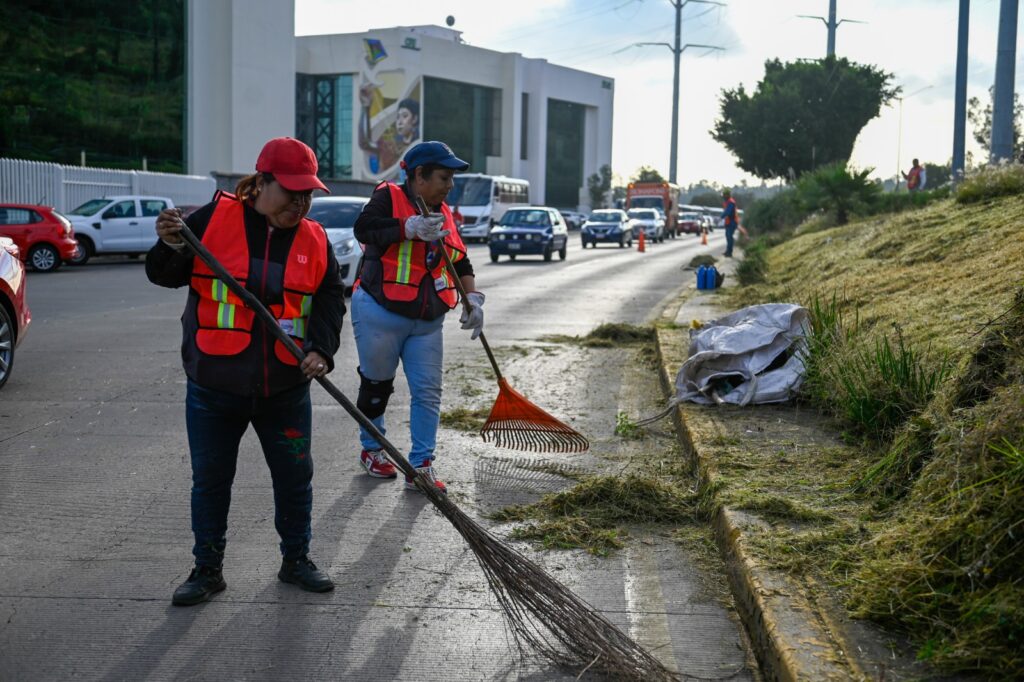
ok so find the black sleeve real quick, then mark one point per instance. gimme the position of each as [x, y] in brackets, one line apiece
[171, 268]
[327, 313]
[375, 226]
[464, 268]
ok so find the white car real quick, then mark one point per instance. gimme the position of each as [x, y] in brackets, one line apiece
[119, 224]
[338, 216]
[648, 221]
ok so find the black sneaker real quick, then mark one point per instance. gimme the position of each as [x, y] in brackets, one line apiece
[306, 575]
[202, 583]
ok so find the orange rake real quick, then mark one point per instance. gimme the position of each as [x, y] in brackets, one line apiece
[515, 422]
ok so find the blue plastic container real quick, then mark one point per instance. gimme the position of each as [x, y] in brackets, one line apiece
[701, 276]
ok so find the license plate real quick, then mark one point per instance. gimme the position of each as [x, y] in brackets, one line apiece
[514, 246]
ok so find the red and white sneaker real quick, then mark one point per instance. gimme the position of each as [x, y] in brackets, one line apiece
[377, 464]
[428, 473]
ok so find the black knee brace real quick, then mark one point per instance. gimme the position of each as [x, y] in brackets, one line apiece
[374, 395]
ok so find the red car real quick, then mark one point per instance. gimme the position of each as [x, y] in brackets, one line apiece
[14, 314]
[44, 236]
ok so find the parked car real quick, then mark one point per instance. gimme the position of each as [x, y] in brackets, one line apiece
[120, 224]
[690, 223]
[573, 219]
[649, 222]
[338, 216]
[607, 225]
[14, 313]
[529, 230]
[44, 237]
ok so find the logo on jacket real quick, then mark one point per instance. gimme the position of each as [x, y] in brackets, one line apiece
[302, 258]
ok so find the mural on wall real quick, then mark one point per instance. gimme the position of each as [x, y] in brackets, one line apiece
[389, 120]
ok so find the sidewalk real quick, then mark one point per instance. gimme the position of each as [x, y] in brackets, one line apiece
[797, 627]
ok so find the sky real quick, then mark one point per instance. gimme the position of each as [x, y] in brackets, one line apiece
[915, 40]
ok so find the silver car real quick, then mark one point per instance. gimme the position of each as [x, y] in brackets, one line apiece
[648, 221]
[338, 216]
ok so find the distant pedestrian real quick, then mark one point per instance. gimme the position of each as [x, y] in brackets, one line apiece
[237, 373]
[916, 178]
[730, 219]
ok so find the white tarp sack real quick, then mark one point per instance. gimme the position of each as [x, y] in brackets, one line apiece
[751, 356]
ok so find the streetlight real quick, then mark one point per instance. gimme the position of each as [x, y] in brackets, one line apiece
[899, 136]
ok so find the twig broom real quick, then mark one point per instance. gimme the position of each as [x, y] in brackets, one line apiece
[515, 422]
[541, 613]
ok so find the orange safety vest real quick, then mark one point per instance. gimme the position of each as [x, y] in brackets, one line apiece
[404, 263]
[224, 323]
[734, 218]
[914, 177]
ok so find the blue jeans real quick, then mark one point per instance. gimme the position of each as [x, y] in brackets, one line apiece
[730, 231]
[215, 422]
[382, 339]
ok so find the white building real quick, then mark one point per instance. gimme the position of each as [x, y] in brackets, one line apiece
[361, 99]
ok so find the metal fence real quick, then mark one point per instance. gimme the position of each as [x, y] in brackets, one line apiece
[65, 187]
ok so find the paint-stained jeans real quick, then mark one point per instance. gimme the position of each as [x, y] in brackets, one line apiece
[382, 339]
[215, 422]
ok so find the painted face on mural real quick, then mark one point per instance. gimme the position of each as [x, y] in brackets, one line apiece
[405, 124]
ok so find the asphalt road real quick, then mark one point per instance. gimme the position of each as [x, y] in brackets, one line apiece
[94, 496]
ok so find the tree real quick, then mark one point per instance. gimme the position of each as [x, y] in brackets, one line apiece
[647, 174]
[598, 186]
[802, 115]
[838, 189]
[981, 122]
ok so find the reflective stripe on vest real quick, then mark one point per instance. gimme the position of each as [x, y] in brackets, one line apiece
[404, 263]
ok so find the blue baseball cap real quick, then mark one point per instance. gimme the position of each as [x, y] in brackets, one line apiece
[432, 152]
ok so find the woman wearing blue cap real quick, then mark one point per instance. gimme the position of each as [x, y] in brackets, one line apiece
[400, 299]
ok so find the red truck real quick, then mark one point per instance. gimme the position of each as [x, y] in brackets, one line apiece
[660, 195]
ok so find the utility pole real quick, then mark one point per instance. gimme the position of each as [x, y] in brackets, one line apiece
[832, 25]
[960, 95]
[1001, 147]
[677, 52]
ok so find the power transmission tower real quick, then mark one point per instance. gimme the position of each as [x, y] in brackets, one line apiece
[832, 25]
[1001, 147]
[677, 52]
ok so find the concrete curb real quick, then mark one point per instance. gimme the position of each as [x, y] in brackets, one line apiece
[792, 637]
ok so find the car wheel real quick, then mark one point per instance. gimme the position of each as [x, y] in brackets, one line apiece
[547, 253]
[562, 252]
[584, 243]
[494, 257]
[512, 256]
[44, 258]
[84, 252]
[6, 345]
[621, 242]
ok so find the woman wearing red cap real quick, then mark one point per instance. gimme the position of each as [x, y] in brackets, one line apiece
[238, 373]
[400, 300]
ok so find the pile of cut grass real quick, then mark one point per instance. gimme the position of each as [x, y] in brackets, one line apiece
[462, 419]
[945, 469]
[593, 514]
[608, 335]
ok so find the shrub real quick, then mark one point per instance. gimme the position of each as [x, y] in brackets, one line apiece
[991, 181]
[754, 266]
[837, 189]
[775, 213]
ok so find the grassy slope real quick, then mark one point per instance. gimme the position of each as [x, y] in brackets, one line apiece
[943, 556]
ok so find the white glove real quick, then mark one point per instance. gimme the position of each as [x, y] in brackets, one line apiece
[474, 318]
[427, 228]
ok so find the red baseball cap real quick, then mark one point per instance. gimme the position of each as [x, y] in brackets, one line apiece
[293, 164]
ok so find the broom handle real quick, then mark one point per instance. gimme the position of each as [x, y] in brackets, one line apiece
[422, 206]
[271, 323]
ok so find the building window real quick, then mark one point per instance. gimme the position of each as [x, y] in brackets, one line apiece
[564, 166]
[467, 117]
[323, 120]
[524, 126]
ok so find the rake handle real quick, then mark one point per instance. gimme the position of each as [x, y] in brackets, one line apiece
[422, 206]
[271, 323]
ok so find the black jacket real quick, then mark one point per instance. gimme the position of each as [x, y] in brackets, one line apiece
[377, 229]
[256, 371]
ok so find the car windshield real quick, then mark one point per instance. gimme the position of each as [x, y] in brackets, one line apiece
[470, 192]
[91, 207]
[642, 214]
[647, 202]
[334, 214]
[526, 218]
[605, 217]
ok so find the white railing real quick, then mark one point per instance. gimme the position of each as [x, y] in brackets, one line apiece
[65, 187]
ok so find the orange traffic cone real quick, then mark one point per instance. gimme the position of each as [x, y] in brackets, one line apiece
[640, 243]
[704, 237]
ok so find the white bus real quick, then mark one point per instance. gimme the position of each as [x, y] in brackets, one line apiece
[483, 199]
